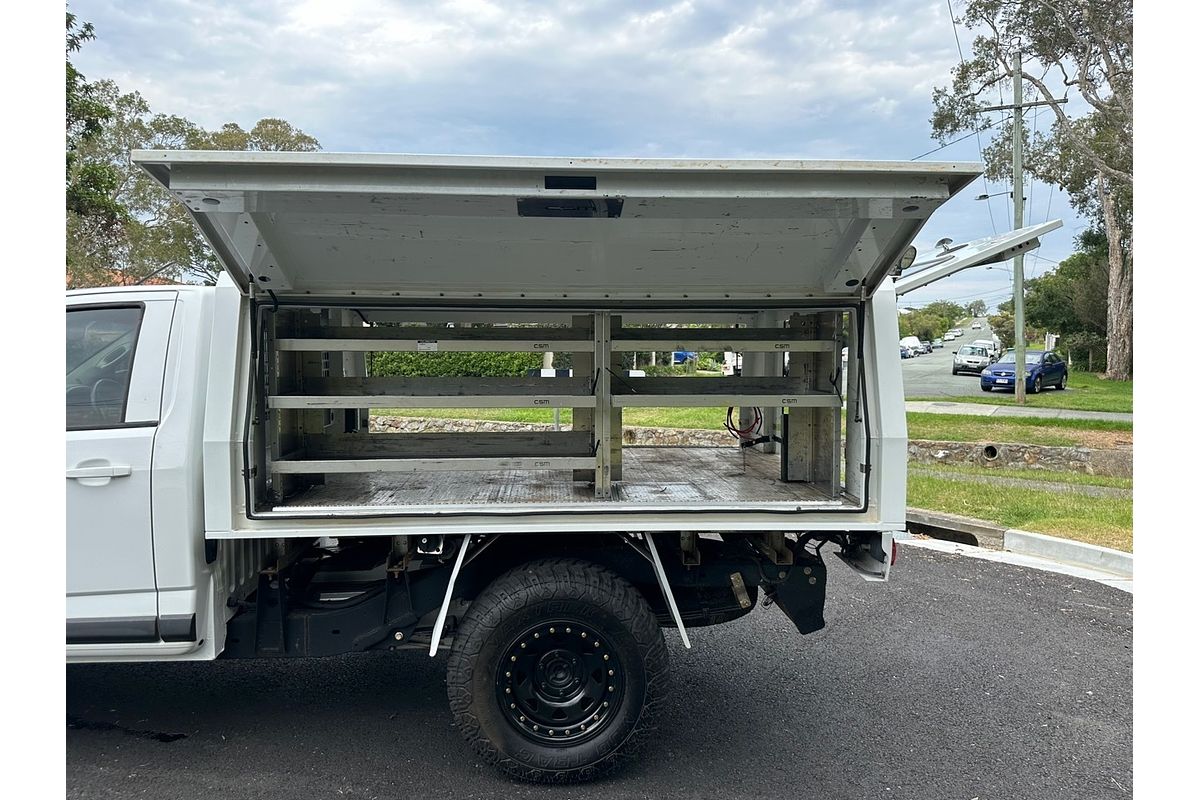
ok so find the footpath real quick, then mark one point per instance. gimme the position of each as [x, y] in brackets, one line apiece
[983, 410]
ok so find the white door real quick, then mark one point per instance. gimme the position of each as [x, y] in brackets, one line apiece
[116, 352]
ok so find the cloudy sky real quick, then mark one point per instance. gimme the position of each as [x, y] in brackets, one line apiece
[697, 78]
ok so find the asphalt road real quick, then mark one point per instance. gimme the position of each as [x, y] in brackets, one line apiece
[929, 375]
[960, 678]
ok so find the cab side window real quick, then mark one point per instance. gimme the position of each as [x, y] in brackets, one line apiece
[100, 347]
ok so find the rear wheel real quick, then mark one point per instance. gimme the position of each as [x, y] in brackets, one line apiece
[557, 671]
[1037, 384]
[1062, 383]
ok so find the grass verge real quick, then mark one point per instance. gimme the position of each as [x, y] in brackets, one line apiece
[952, 471]
[1085, 392]
[1104, 521]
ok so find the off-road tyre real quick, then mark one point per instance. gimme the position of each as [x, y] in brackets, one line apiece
[608, 614]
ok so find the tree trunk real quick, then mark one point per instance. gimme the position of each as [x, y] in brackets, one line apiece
[1120, 293]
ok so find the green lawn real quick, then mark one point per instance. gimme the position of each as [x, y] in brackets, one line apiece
[1104, 521]
[1026, 430]
[1085, 392]
[951, 471]
[938, 427]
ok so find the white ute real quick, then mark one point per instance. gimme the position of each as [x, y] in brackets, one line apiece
[228, 498]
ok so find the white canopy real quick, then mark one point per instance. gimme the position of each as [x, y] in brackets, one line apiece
[486, 229]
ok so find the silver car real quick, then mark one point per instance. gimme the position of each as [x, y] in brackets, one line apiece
[971, 358]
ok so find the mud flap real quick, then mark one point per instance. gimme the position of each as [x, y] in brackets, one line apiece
[802, 595]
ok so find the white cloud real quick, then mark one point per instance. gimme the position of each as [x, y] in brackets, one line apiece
[812, 79]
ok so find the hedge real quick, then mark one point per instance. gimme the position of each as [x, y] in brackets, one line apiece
[437, 365]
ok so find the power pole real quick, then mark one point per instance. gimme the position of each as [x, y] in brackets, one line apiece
[1018, 168]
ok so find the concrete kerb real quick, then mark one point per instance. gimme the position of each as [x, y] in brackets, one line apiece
[974, 532]
[1066, 551]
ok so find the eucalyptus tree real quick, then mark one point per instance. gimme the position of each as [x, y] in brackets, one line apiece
[1080, 51]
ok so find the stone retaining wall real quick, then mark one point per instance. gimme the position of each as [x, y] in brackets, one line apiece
[1115, 463]
[632, 435]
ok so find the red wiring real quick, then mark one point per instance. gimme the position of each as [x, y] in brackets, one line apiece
[744, 433]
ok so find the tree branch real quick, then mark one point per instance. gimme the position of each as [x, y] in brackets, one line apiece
[1117, 175]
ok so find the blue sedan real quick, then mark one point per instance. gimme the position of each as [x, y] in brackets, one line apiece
[1044, 369]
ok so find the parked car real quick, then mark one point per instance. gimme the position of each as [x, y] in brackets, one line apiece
[926, 346]
[987, 344]
[907, 352]
[949, 336]
[970, 358]
[937, 344]
[976, 325]
[1045, 368]
[683, 356]
[912, 343]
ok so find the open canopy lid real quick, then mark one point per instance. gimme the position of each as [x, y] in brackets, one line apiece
[477, 229]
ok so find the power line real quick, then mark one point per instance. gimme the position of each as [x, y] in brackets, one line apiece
[978, 141]
[947, 144]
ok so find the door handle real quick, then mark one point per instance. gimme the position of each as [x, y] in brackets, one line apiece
[104, 471]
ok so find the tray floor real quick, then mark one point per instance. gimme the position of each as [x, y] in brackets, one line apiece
[657, 475]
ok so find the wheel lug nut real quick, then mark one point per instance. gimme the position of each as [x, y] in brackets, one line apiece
[522, 645]
[522, 718]
[595, 644]
[512, 658]
[583, 634]
[595, 717]
[552, 630]
[535, 727]
[605, 657]
[568, 630]
[610, 672]
[508, 691]
[551, 733]
[512, 705]
[606, 704]
[611, 689]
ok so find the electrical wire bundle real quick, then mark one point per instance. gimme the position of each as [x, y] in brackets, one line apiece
[751, 431]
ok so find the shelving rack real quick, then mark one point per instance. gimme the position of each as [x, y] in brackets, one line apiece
[315, 367]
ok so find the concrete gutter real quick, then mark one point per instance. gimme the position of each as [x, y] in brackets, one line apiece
[1018, 560]
[973, 532]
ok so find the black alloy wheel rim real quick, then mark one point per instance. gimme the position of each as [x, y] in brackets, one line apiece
[560, 682]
